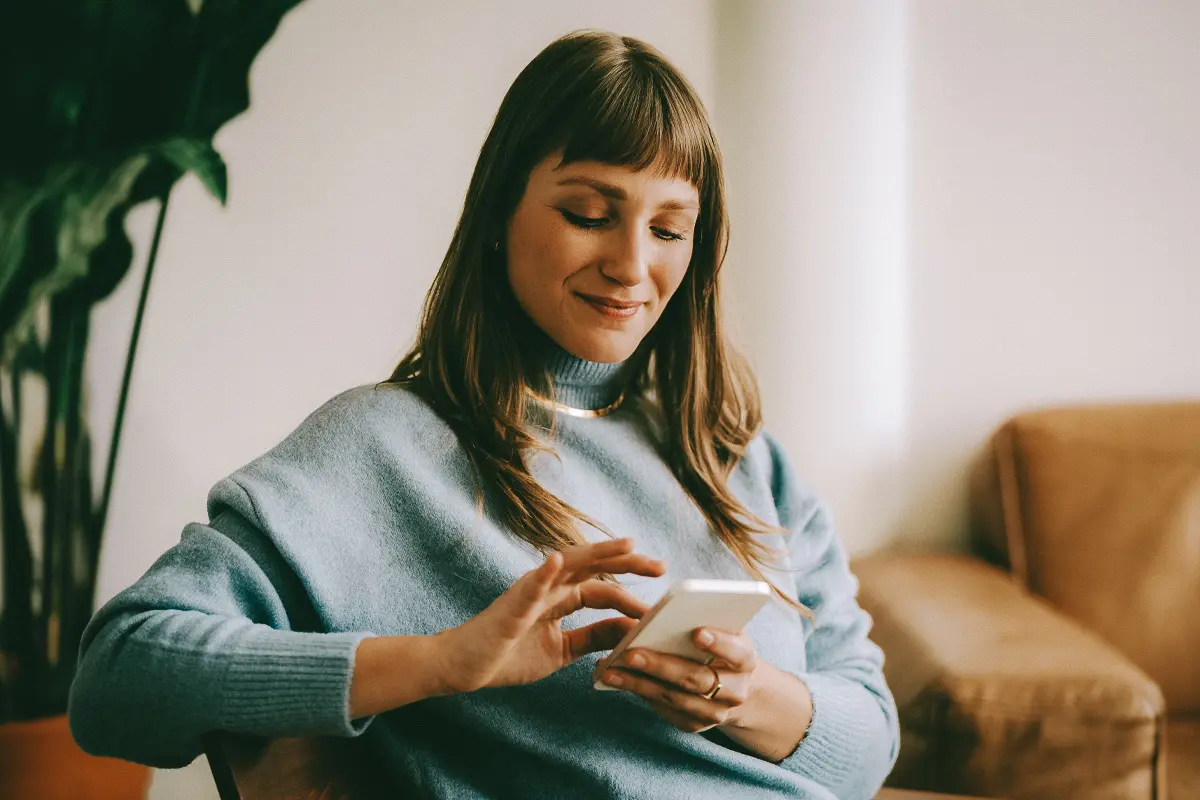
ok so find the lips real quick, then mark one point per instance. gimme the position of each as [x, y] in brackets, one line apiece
[611, 307]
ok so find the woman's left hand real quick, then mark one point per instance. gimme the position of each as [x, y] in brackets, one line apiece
[675, 687]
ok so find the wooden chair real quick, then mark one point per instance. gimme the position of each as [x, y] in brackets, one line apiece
[315, 768]
[331, 768]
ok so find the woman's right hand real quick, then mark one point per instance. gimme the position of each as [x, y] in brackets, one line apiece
[519, 639]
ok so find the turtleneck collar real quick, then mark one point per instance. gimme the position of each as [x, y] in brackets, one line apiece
[584, 384]
[579, 383]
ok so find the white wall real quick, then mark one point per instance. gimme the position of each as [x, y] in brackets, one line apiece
[947, 212]
[1054, 255]
[811, 118]
[346, 178]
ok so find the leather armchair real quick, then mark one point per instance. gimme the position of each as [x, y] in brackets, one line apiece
[1060, 660]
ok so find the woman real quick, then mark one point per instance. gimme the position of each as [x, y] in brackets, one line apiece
[433, 560]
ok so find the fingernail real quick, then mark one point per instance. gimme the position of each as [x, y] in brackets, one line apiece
[613, 679]
[705, 638]
[637, 661]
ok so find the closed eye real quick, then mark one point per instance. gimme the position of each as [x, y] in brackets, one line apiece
[580, 221]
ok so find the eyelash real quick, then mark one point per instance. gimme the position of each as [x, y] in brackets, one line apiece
[591, 223]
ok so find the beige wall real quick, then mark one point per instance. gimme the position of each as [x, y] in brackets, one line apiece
[346, 178]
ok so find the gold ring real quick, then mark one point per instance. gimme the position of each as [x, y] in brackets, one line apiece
[711, 694]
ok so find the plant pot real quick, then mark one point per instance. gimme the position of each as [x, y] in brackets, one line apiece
[40, 761]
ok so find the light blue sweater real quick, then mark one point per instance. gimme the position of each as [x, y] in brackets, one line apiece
[363, 522]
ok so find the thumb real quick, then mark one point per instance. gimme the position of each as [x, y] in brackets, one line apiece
[603, 635]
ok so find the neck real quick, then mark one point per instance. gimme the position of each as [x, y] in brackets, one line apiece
[579, 383]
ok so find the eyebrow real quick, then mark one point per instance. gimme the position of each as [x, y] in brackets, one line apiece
[617, 193]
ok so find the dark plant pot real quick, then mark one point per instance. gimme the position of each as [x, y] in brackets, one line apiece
[40, 761]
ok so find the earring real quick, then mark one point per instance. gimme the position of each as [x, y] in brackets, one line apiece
[496, 246]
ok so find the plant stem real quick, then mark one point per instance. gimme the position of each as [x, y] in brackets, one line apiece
[16, 624]
[97, 526]
[67, 496]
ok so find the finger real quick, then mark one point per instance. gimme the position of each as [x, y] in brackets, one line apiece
[536, 584]
[711, 712]
[543, 577]
[597, 594]
[603, 635]
[680, 720]
[735, 649]
[581, 555]
[530, 587]
[680, 673]
[524, 603]
[633, 563]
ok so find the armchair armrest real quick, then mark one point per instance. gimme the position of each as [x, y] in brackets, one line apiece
[1001, 695]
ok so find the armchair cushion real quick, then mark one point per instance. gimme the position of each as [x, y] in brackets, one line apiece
[1000, 695]
[1098, 510]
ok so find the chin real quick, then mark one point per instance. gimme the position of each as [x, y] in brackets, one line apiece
[601, 347]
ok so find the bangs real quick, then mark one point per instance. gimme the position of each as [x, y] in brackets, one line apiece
[634, 116]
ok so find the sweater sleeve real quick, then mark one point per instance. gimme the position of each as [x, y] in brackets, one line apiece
[854, 737]
[212, 637]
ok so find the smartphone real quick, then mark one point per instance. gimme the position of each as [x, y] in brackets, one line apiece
[669, 626]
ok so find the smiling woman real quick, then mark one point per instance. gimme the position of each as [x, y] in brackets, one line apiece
[437, 561]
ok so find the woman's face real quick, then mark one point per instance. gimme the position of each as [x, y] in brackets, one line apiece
[596, 251]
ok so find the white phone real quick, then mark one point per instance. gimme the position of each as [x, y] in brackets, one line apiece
[668, 627]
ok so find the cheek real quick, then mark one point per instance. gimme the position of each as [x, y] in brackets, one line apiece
[542, 257]
[671, 274]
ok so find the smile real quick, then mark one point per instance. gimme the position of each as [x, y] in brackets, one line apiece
[614, 309]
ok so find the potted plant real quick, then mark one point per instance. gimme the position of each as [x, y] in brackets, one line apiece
[106, 104]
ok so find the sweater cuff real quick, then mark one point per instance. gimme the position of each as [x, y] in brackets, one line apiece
[844, 718]
[289, 683]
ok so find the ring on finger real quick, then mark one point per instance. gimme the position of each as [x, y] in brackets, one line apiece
[711, 694]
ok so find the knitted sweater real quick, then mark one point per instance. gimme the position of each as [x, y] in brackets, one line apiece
[364, 521]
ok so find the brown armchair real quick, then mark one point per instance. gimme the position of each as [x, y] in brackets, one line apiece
[1069, 666]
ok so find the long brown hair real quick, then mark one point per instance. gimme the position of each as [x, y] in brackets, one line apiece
[595, 96]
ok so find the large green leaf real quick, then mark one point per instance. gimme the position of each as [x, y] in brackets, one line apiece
[192, 155]
[96, 79]
[82, 209]
[112, 258]
[89, 88]
[18, 204]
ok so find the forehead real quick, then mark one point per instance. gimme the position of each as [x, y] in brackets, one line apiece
[652, 183]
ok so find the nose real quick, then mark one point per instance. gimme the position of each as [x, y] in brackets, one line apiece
[629, 261]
